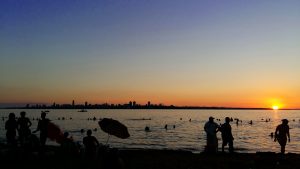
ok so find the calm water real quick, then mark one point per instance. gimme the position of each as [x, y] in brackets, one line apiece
[186, 136]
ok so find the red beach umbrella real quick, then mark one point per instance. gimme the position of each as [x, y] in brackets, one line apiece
[54, 133]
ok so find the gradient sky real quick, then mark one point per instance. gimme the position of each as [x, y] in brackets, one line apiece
[195, 52]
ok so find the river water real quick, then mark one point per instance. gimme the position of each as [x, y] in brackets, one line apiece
[187, 135]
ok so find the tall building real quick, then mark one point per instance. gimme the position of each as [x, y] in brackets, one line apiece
[73, 103]
[130, 104]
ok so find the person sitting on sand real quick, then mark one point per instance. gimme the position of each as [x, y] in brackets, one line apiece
[11, 129]
[282, 133]
[91, 143]
[211, 128]
[227, 137]
[23, 127]
[68, 146]
[43, 128]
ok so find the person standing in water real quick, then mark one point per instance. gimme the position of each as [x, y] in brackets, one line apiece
[11, 129]
[227, 137]
[23, 127]
[43, 128]
[211, 128]
[282, 134]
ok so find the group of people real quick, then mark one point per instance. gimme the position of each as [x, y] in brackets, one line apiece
[211, 128]
[22, 124]
[282, 135]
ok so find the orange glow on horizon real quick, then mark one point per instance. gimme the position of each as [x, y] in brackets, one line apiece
[167, 98]
[275, 107]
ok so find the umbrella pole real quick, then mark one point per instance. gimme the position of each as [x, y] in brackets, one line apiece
[107, 139]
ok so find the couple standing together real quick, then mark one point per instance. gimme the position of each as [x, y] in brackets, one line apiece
[211, 128]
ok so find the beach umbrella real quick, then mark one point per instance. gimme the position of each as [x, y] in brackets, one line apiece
[114, 127]
[54, 132]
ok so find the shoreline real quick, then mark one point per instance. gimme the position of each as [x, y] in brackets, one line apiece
[147, 159]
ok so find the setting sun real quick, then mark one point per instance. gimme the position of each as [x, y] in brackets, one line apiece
[275, 107]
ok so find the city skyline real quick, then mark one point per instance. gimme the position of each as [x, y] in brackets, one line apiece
[127, 105]
[195, 53]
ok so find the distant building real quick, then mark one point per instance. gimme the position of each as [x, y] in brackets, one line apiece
[73, 103]
[133, 104]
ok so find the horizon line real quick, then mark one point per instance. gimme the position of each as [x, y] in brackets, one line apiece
[130, 104]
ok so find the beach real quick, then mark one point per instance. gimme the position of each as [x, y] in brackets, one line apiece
[146, 159]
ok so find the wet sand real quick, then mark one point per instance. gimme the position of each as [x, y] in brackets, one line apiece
[146, 159]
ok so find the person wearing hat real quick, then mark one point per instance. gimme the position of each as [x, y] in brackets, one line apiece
[282, 134]
[211, 128]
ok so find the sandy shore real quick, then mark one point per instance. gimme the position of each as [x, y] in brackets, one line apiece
[146, 159]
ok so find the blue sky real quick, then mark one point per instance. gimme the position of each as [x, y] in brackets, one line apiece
[235, 53]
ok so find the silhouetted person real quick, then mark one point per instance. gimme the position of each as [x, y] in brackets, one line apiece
[23, 127]
[251, 122]
[166, 127]
[90, 143]
[282, 133]
[147, 128]
[11, 129]
[227, 137]
[211, 128]
[43, 128]
[237, 121]
[68, 146]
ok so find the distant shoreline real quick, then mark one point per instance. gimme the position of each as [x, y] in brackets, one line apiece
[155, 108]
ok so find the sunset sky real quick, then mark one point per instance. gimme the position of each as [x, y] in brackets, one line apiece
[182, 52]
